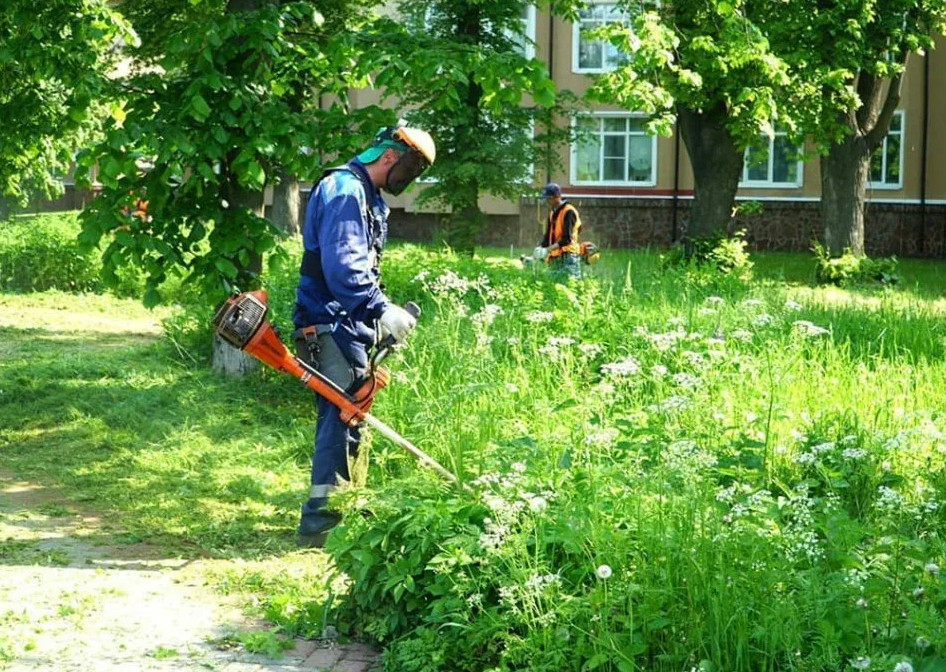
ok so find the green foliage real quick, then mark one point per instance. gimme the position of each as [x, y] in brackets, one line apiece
[234, 103]
[851, 269]
[489, 136]
[265, 642]
[698, 55]
[54, 58]
[718, 254]
[41, 252]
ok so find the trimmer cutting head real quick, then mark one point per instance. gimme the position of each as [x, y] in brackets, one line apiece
[240, 317]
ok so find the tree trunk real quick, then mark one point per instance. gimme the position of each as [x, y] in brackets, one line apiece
[226, 358]
[717, 167]
[286, 204]
[844, 171]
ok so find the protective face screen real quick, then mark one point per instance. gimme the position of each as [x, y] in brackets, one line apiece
[408, 167]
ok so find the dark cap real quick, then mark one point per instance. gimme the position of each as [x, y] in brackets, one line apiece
[551, 189]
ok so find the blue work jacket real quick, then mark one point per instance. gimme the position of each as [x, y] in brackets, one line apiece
[348, 237]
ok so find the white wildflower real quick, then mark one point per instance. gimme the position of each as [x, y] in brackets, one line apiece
[903, 666]
[861, 603]
[658, 370]
[751, 303]
[854, 453]
[590, 349]
[687, 380]
[931, 568]
[539, 316]
[673, 403]
[561, 341]
[604, 438]
[715, 300]
[861, 663]
[922, 643]
[625, 367]
[485, 317]
[762, 320]
[603, 572]
[808, 329]
[741, 335]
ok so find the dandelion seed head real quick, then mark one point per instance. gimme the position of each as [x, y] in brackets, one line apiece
[603, 572]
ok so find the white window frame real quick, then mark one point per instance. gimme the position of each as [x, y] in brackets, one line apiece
[889, 186]
[576, 42]
[529, 32]
[573, 155]
[769, 183]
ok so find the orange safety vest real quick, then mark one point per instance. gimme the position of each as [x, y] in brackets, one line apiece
[558, 231]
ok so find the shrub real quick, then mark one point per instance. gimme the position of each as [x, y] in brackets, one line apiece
[41, 252]
[850, 269]
[725, 254]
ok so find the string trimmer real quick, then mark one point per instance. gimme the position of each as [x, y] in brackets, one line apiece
[242, 323]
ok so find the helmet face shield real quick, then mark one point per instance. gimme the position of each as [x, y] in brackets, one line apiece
[407, 169]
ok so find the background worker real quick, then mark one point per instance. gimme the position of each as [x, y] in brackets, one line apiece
[341, 310]
[559, 246]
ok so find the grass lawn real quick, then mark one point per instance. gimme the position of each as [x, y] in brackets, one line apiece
[670, 471]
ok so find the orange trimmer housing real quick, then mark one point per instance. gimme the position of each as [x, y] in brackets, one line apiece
[242, 323]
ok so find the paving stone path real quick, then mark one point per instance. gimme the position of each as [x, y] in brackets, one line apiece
[70, 603]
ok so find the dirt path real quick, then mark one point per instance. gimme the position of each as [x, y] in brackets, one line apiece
[73, 599]
[70, 603]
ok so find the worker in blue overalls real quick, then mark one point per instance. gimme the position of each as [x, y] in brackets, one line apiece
[341, 310]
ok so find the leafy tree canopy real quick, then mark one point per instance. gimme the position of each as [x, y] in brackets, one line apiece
[463, 70]
[234, 97]
[701, 55]
[55, 56]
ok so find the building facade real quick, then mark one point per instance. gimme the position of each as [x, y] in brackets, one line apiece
[634, 189]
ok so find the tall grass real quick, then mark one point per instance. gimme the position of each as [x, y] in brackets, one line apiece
[668, 470]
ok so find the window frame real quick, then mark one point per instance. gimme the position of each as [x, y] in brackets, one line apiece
[888, 186]
[600, 116]
[769, 183]
[530, 28]
[576, 43]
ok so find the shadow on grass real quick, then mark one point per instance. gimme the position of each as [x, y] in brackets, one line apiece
[171, 452]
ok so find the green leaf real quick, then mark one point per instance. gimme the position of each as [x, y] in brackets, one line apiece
[199, 108]
[226, 267]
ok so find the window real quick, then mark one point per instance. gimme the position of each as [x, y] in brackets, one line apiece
[590, 55]
[613, 149]
[886, 163]
[777, 165]
[526, 41]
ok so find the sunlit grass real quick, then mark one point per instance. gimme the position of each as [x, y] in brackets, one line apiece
[636, 399]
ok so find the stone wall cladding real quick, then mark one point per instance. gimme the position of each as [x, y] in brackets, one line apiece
[904, 230]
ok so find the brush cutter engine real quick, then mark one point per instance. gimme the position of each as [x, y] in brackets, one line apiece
[239, 319]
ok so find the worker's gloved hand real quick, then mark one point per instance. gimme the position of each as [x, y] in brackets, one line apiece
[540, 253]
[396, 322]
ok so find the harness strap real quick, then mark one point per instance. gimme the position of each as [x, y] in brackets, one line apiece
[311, 265]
